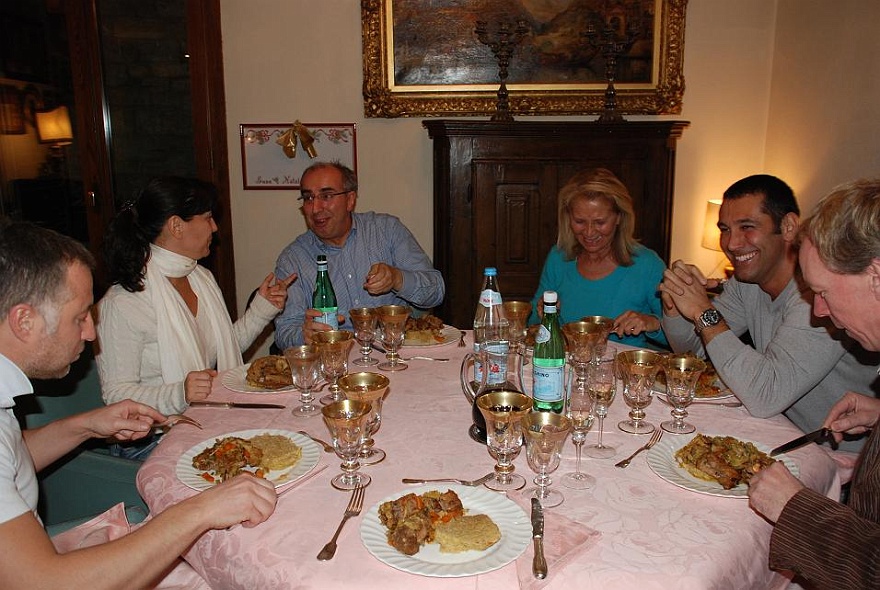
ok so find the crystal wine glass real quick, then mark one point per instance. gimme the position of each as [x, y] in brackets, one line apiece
[601, 385]
[334, 347]
[305, 367]
[392, 320]
[638, 371]
[599, 327]
[363, 320]
[346, 421]
[517, 313]
[545, 434]
[503, 411]
[579, 410]
[682, 373]
[370, 388]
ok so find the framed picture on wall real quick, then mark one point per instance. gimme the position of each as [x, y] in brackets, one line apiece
[424, 57]
[266, 151]
[11, 110]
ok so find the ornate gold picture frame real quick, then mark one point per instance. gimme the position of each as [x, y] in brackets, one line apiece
[423, 58]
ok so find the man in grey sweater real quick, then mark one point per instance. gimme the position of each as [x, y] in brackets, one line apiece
[798, 366]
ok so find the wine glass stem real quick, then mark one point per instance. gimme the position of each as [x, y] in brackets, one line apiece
[601, 424]
[577, 454]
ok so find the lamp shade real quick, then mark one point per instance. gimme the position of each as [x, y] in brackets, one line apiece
[54, 126]
[711, 233]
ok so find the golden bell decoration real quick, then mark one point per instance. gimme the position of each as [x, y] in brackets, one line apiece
[306, 139]
[287, 141]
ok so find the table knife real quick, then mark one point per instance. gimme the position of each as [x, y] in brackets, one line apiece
[205, 404]
[539, 564]
[819, 436]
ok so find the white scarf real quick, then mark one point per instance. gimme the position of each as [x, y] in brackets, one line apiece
[180, 351]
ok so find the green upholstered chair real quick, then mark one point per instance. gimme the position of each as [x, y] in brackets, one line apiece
[89, 480]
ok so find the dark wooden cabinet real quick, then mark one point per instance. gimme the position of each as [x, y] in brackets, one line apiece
[495, 187]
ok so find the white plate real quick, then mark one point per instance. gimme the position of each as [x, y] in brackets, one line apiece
[236, 380]
[516, 534]
[661, 460]
[449, 334]
[311, 453]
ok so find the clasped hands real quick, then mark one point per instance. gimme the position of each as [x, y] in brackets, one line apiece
[683, 290]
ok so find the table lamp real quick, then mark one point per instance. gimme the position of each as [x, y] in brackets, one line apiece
[54, 128]
[712, 235]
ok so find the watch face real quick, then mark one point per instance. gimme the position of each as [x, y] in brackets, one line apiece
[710, 317]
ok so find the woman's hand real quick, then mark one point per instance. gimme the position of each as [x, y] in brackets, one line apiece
[631, 323]
[197, 385]
[275, 291]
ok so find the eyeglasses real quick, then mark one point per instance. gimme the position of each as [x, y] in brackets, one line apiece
[324, 197]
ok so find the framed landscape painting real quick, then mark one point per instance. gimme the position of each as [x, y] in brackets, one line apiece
[423, 57]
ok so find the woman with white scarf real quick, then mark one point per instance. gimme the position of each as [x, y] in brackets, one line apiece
[163, 326]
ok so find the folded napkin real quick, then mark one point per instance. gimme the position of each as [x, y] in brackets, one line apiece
[564, 540]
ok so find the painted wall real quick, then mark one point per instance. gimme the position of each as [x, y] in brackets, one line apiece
[753, 97]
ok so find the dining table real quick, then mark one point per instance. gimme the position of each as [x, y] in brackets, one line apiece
[633, 529]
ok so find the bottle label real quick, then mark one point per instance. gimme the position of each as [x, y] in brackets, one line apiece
[497, 365]
[548, 380]
[488, 298]
[543, 334]
[328, 316]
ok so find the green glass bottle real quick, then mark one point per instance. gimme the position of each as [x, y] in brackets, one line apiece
[324, 297]
[548, 360]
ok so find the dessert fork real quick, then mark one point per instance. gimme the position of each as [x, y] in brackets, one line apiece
[651, 442]
[355, 504]
[472, 483]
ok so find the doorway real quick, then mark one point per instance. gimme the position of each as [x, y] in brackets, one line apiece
[143, 97]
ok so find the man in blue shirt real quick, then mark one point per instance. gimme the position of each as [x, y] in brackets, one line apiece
[373, 259]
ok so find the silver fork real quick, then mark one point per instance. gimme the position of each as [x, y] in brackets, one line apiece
[651, 442]
[173, 419]
[355, 504]
[461, 340]
[465, 482]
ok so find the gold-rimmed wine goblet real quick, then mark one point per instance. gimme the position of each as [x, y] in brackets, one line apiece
[334, 347]
[392, 322]
[682, 373]
[601, 384]
[638, 370]
[305, 368]
[503, 411]
[517, 313]
[579, 410]
[363, 320]
[369, 388]
[545, 434]
[599, 328]
[346, 421]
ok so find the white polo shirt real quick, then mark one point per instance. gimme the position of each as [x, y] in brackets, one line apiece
[18, 480]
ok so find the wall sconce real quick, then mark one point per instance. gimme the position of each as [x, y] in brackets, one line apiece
[54, 128]
[712, 235]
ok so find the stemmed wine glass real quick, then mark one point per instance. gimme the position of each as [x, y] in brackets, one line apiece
[363, 320]
[638, 371]
[392, 320]
[334, 347]
[346, 421]
[598, 327]
[503, 411]
[601, 384]
[682, 373]
[579, 410]
[305, 366]
[517, 313]
[545, 434]
[369, 388]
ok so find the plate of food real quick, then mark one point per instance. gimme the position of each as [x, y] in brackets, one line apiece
[280, 456]
[446, 531]
[268, 374]
[429, 330]
[714, 465]
[709, 386]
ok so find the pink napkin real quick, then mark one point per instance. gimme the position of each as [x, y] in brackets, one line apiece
[107, 526]
[564, 540]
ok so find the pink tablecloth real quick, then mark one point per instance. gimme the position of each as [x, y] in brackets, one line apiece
[633, 530]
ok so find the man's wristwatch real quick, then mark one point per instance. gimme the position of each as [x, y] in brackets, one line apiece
[707, 319]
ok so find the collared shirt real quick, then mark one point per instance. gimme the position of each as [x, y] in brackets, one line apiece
[18, 479]
[374, 238]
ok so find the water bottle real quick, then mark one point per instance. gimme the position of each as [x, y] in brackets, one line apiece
[324, 297]
[548, 360]
[490, 324]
